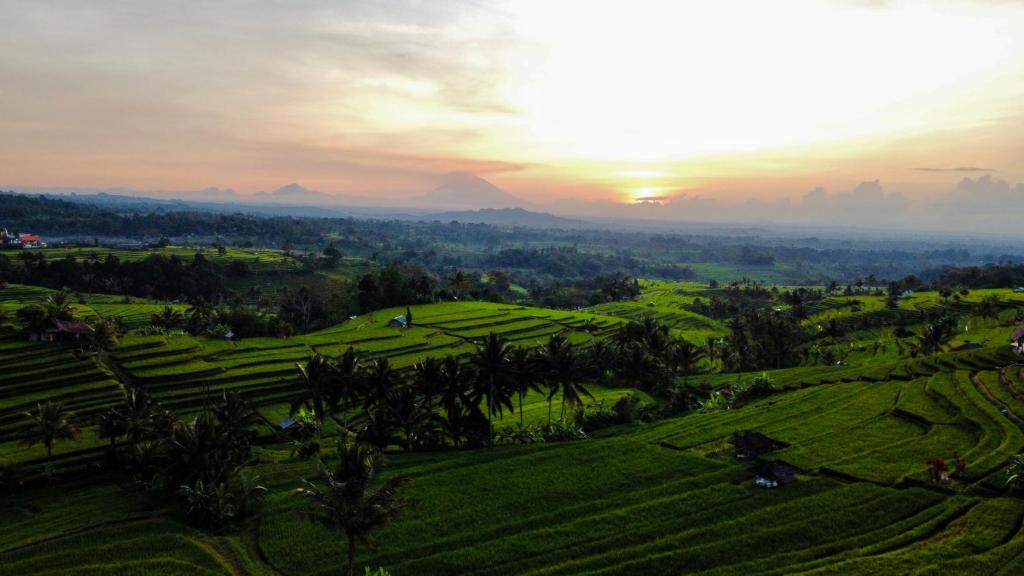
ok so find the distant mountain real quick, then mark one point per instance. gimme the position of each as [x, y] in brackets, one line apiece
[509, 217]
[468, 192]
[458, 191]
[295, 194]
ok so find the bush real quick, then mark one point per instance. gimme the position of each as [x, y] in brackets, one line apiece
[207, 505]
[563, 431]
[626, 410]
[560, 431]
[519, 435]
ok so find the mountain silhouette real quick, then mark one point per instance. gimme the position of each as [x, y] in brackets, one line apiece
[469, 192]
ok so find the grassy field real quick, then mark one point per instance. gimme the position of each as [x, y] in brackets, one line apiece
[665, 497]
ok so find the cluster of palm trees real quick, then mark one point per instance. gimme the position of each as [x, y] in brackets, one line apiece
[197, 461]
[448, 401]
[201, 317]
[455, 401]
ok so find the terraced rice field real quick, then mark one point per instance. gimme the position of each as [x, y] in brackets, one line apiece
[668, 497]
[183, 372]
[669, 303]
[260, 258]
[625, 505]
[28, 376]
[133, 312]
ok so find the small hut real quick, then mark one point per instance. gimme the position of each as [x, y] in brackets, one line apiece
[398, 322]
[775, 473]
[73, 331]
[753, 444]
[1017, 339]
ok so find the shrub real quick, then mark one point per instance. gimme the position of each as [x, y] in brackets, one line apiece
[207, 505]
[563, 431]
[519, 435]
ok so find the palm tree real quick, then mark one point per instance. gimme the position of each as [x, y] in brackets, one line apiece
[237, 419]
[58, 305]
[564, 370]
[168, 319]
[195, 451]
[456, 397]
[380, 383]
[683, 357]
[458, 283]
[136, 415]
[491, 361]
[346, 500]
[348, 372]
[315, 382]
[426, 380]
[104, 335]
[50, 423]
[638, 367]
[525, 375]
[712, 350]
[412, 416]
[110, 425]
[989, 307]
[200, 315]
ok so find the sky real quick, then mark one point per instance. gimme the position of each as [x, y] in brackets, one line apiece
[756, 105]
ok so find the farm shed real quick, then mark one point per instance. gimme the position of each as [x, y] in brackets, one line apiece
[775, 473]
[753, 444]
[63, 331]
[1017, 339]
[399, 322]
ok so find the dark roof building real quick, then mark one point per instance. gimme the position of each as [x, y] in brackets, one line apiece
[775, 473]
[63, 331]
[76, 327]
[753, 444]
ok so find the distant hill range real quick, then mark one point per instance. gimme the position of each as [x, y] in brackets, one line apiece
[457, 191]
[510, 217]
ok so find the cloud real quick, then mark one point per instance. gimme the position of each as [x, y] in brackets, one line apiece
[957, 169]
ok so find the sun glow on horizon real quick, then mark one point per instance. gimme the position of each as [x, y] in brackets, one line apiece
[647, 194]
[571, 99]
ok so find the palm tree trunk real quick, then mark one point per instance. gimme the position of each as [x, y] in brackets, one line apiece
[351, 556]
[490, 413]
[521, 423]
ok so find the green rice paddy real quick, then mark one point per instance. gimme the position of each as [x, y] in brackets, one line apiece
[667, 497]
